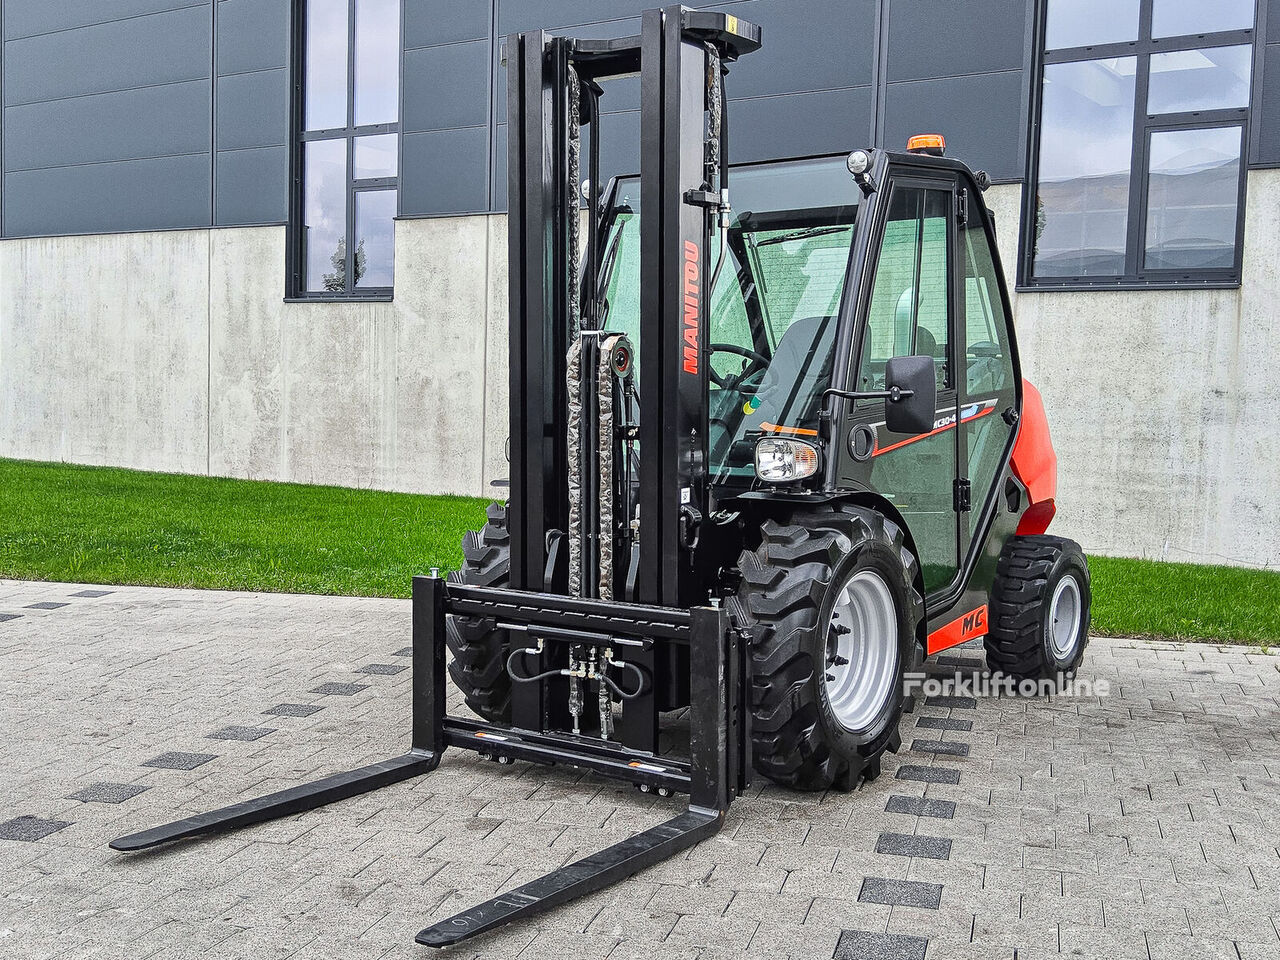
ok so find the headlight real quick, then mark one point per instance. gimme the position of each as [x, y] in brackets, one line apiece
[781, 461]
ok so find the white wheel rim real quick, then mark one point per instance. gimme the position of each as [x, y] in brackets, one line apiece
[1065, 609]
[862, 630]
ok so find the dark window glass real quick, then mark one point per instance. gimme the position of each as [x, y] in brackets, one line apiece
[1214, 79]
[1080, 23]
[326, 71]
[1192, 199]
[377, 67]
[909, 315]
[1176, 18]
[375, 156]
[348, 158]
[324, 228]
[375, 238]
[1086, 150]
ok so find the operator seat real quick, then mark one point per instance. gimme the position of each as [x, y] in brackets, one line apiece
[797, 374]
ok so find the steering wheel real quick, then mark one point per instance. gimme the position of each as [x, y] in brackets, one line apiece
[759, 363]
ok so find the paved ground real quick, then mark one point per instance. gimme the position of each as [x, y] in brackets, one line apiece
[1142, 824]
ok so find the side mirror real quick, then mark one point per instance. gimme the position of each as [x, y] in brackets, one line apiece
[915, 382]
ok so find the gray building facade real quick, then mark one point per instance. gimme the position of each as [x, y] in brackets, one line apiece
[183, 179]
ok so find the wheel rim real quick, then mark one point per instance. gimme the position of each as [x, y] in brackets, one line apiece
[862, 630]
[1064, 618]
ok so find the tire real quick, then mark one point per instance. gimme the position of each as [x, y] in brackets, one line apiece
[479, 665]
[791, 585]
[1034, 580]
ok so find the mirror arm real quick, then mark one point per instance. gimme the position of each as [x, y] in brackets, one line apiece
[893, 394]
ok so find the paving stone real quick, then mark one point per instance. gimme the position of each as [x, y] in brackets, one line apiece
[909, 845]
[955, 703]
[868, 945]
[943, 723]
[180, 761]
[901, 893]
[383, 669]
[963, 663]
[29, 829]
[339, 689]
[293, 710]
[108, 792]
[93, 593]
[235, 732]
[5, 617]
[921, 807]
[47, 605]
[912, 771]
[403, 652]
[945, 747]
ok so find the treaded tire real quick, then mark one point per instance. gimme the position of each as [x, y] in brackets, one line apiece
[1019, 641]
[789, 587]
[479, 665]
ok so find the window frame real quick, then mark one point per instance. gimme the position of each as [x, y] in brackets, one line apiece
[299, 137]
[1136, 276]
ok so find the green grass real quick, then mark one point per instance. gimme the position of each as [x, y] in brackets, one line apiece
[1182, 601]
[103, 525]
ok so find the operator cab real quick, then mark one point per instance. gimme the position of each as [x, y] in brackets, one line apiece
[838, 272]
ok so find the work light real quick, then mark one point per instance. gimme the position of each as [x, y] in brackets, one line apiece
[781, 461]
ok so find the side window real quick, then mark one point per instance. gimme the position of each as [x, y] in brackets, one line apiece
[988, 366]
[908, 314]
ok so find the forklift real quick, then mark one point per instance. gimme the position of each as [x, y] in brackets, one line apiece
[770, 449]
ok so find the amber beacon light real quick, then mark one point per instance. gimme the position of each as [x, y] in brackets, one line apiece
[934, 144]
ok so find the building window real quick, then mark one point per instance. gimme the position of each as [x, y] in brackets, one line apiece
[1138, 144]
[346, 154]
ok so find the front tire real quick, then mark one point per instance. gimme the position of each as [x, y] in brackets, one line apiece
[833, 584]
[1039, 609]
[479, 667]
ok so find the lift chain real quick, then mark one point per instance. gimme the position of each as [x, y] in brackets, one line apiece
[571, 202]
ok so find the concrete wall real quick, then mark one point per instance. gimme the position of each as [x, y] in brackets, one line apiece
[175, 351]
[1162, 405]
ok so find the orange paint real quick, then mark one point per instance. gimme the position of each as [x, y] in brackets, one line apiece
[962, 629]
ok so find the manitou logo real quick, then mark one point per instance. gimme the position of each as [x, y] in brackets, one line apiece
[692, 256]
[970, 626]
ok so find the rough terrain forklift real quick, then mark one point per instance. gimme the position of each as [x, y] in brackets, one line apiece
[770, 448]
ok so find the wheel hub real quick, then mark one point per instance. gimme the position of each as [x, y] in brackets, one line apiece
[1065, 610]
[862, 650]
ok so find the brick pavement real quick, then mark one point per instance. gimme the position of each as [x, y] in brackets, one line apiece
[1139, 825]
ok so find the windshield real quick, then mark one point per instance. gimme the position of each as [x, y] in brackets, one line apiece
[771, 328]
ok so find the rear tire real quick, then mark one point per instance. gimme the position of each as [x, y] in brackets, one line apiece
[479, 666]
[816, 723]
[1039, 609]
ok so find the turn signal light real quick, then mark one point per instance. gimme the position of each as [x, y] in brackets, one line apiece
[934, 144]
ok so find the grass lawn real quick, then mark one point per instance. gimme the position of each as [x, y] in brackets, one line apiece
[103, 525]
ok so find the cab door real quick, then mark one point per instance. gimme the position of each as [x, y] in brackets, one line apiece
[912, 312]
[987, 376]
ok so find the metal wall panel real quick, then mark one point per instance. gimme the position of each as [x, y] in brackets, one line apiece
[252, 186]
[446, 86]
[801, 124]
[1266, 113]
[978, 36]
[144, 51]
[128, 125]
[253, 109]
[25, 18]
[443, 171]
[429, 22]
[156, 194]
[252, 35]
[808, 45]
[981, 117]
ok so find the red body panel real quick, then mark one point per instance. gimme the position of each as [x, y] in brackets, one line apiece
[1035, 464]
[960, 630]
